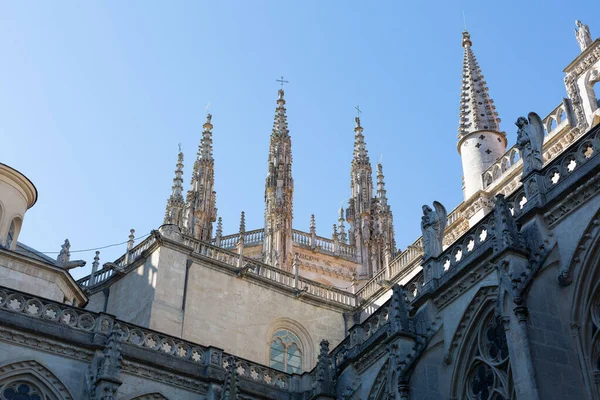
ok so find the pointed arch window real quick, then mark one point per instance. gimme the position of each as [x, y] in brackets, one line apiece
[11, 234]
[285, 352]
[489, 376]
[21, 390]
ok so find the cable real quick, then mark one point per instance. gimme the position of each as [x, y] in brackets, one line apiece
[84, 250]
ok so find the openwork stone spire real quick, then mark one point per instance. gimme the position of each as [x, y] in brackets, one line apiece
[200, 207]
[361, 155]
[279, 191]
[381, 192]
[477, 110]
[175, 203]
[358, 214]
[342, 237]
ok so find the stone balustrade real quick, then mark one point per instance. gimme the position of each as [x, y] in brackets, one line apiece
[147, 339]
[554, 123]
[250, 238]
[105, 273]
[469, 243]
[359, 333]
[303, 286]
[301, 238]
[571, 160]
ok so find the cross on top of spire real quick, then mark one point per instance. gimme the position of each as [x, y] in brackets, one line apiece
[358, 111]
[282, 81]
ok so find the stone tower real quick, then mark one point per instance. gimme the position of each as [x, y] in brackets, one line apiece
[480, 141]
[175, 204]
[279, 192]
[200, 206]
[358, 213]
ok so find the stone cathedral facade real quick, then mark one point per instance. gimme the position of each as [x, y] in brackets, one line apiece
[500, 298]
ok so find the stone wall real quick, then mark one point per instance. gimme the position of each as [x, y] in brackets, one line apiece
[239, 315]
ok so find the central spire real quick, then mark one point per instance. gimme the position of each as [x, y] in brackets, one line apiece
[477, 109]
[200, 206]
[279, 191]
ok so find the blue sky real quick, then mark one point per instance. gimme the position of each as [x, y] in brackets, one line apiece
[95, 96]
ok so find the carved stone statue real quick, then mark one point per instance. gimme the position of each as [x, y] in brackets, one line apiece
[433, 224]
[530, 139]
[583, 35]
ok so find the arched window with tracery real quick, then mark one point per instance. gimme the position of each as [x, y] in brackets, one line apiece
[489, 374]
[13, 232]
[285, 352]
[21, 390]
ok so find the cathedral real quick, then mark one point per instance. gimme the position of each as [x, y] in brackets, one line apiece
[498, 299]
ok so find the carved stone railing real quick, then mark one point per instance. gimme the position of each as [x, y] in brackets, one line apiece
[497, 170]
[404, 261]
[301, 238]
[470, 242]
[584, 151]
[556, 122]
[147, 339]
[105, 273]
[301, 285]
[326, 246]
[38, 307]
[251, 238]
[361, 332]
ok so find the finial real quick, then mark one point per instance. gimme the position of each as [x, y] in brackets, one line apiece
[96, 260]
[335, 232]
[465, 20]
[341, 213]
[220, 226]
[282, 81]
[243, 223]
[358, 111]
[313, 225]
[208, 105]
[466, 39]
[357, 120]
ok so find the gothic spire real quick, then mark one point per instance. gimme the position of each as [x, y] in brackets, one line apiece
[200, 206]
[205, 148]
[381, 192]
[175, 203]
[342, 233]
[477, 110]
[359, 205]
[361, 156]
[279, 191]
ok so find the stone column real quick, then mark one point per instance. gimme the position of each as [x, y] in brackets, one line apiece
[519, 347]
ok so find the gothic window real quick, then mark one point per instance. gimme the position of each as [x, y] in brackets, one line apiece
[489, 375]
[21, 390]
[285, 353]
[11, 234]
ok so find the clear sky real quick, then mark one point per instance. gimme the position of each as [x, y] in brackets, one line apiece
[96, 95]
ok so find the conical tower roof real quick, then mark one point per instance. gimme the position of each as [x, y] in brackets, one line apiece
[477, 110]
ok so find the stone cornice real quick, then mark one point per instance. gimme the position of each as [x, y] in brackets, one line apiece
[588, 56]
[20, 182]
[81, 297]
